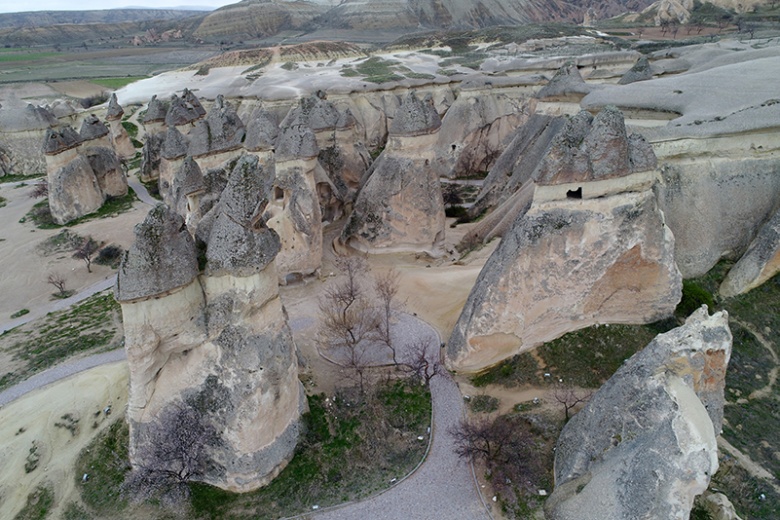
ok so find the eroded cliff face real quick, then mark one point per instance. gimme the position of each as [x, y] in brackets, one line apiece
[215, 341]
[645, 444]
[592, 247]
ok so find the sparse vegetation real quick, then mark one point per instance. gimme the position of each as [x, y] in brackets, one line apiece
[351, 447]
[20, 313]
[484, 403]
[91, 101]
[117, 82]
[90, 326]
[38, 505]
[40, 213]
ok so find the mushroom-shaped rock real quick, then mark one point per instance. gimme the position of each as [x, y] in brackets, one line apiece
[163, 257]
[645, 444]
[239, 242]
[641, 71]
[175, 145]
[346, 120]
[415, 117]
[92, 128]
[155, 111]
[566, 83]
[261, 131]
[296, 142]
[57, 141]
[221, 131]
[189, 177]
[115, 110]
[61, 109]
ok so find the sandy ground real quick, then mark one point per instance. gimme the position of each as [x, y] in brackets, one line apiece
[24, 273]
[31, 421]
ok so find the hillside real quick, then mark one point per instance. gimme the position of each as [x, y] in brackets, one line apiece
[108, 16]
[258, 18]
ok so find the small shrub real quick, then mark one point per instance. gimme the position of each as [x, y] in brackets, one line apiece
[289, 65]
[20, 313]
[91, 101]
[38, 504]
[484, 404]
[110, 256]
[693, 297]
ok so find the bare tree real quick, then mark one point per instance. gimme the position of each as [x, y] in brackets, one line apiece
[86, 250]
[386, 287]
[58, 281]
[348, 321]
[570, 397]
[40, 189]
[418, 364]
[175, 454]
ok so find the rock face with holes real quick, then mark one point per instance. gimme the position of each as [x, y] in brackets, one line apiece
[215, 340]
[400, 208]
[591, 248]
[645, 444]
[294, 210]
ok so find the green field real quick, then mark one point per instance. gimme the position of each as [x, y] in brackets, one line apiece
[117, 82]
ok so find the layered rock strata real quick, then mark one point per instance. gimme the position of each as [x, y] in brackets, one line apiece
[400, 207]
[645, 445]
[591, 248]
[217, 340]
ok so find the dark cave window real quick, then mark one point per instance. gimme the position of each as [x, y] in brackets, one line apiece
[574, 194]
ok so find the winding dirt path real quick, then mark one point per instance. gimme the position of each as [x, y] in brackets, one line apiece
[767, 389]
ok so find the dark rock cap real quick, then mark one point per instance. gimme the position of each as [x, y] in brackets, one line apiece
[115, 110]
[221, 131]
[607, 144]
[190, 177]
[182, 112]
[296, 142]
[415, 117]
[316, 112]
[155, 111]
[57, 141]
[567, 81]
[162, 258]
[193, 101]
[641, 71]
[261, 131]
[92, 128]
[346, 120]
[239, 241]
[175, 145]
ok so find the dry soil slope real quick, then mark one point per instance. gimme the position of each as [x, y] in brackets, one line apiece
[258, 18]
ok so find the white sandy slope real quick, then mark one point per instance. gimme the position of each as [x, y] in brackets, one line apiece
[32, 419]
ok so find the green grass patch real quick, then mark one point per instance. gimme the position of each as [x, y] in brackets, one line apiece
[87, 327]
[131, 129]
[8, 57]
[106, 461]
[20, 313]
[484, 403]
[40, 214]
[3, 202]
[18, 178]
[116, 82]
[520, 370]
[38, 504]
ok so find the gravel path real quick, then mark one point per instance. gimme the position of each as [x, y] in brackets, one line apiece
[141, 191]
[59, 304]
[443, 487]
[58, 372]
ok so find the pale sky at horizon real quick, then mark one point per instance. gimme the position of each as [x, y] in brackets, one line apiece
[14, 6]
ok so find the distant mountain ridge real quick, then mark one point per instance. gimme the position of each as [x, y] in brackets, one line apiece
[107, 16]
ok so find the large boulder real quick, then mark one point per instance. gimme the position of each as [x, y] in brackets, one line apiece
[74, 191]
[21, 131]
[567, 84]
[760, 262]
[645, 444]
[108, 170]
